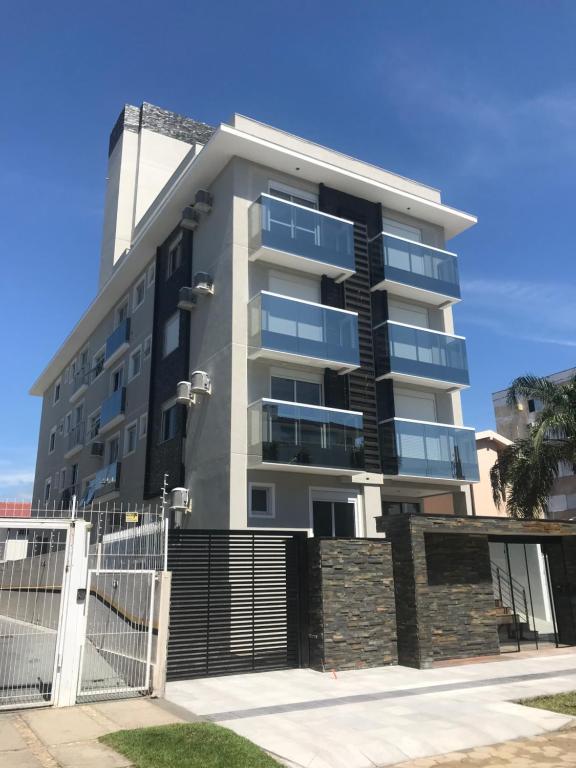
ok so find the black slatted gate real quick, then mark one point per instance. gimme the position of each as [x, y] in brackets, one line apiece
[237, 604]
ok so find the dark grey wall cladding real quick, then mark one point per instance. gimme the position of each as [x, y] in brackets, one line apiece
[165, 372]
[160, 121]
[351, 604]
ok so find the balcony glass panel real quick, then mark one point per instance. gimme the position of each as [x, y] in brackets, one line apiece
[76, 436]
[414, 352]
[285, 226]
[290, 433]
[113, 406]
[419, 449]
[296, 327]
[118, 337]
[414, 264]
[105, 481]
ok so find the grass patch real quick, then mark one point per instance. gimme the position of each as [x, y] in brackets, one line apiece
[188, 745]
[563, 703]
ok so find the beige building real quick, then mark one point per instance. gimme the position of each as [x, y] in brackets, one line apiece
[514, 423]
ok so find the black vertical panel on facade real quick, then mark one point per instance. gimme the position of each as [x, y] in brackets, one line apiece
[238, 602]
[367, 218]
[165, 372]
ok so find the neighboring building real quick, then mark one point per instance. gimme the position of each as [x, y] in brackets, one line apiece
[489, 445]
[514, 423]
[312, 295]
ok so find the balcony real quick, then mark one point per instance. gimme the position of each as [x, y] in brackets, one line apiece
[421, 449]
[117, 343]
[420, 356]
[300, 332]
[113, 410]
[304, 438]
[105, 481]
[297, 237]
[80, 384]
[414, 271]
[76, 438]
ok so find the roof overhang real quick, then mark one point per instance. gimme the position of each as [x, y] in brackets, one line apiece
[199, 169]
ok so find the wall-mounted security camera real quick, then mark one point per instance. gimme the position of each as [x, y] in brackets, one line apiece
[190, 218]
[184, 394]
[200, 383]
[203, 284]
[203, 201]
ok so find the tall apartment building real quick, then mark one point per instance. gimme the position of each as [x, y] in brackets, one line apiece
[514, 423]
[306, 295]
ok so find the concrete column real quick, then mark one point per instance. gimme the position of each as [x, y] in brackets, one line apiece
[372, 509]
[460, 502]
[164, 586]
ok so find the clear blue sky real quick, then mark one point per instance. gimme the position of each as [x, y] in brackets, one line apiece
[477, 98]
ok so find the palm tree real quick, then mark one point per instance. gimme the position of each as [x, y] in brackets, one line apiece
[525, 472]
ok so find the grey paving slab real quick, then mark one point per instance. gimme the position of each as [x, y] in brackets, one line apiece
[20, 758]
[61, 726]
[10, 738]
[88, 754]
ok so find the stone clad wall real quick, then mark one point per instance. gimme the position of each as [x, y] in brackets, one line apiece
[351, 604]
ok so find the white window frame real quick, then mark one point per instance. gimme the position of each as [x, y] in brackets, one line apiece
[174, 243]
[52, 440]
[147, 343]
[347, 496]
[95, 412]
[151, 274]
[57, 389]
[124, 303]
[288, 190]
[133, 425]
[176, 316]
[115, 436]
[101, 351]
[135, 303]
[47, 485]
[68, 424]
[112, 374]
[62, 478]
[271, 514]
[131, 375]
[143, 431]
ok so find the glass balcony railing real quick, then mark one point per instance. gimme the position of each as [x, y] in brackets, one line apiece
[76, 437]
[423, 449]
[420, 353]
[117, 339]
[282, 432]
[280, 327]
[421, 268]
[113, 408]
[281, 231]
[105, 481]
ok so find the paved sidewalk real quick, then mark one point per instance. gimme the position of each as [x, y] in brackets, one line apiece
[68, 737]
[382, 716]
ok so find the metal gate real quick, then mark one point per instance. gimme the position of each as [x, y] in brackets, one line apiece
[237, 602]
[33, 558]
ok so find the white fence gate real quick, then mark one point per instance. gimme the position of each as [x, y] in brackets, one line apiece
[78, 604]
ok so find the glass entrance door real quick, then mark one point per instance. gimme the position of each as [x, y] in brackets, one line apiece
[334, 518]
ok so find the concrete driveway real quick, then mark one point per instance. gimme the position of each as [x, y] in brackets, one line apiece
[382, 716]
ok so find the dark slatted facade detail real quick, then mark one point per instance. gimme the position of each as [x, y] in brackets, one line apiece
[237, 602]
[361, 383]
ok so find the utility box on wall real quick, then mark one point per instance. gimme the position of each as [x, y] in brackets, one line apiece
[352, 612]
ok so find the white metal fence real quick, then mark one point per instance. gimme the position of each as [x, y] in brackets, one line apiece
[79, 603]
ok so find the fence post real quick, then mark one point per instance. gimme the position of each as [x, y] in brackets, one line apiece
[162, 620]
[71, 634]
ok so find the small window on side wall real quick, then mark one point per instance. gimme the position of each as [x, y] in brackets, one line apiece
[169, 427]
[261, 502]
[172, 334]
[174, 260]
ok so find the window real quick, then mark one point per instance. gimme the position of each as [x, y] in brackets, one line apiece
[121, 313]
[261, 500]
[74, 475]
[84, 361]
[174, 256]
[68, 423]
[52, 440]
[296, 391]
[94, 425]
[98, 362]
[130, 438]
[172, 334]
[308, 199]
[147, 346]
[61, 427]
[143, 425]
[398, 229]
[135, 365]
[113, 449]
[47, 489]
[169, 422]
[57, 390]
[63, 479]
[116, 379]
[139, 294]
[152, 273]
[295, 286]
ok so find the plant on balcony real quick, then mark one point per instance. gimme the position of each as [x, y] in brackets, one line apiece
[525, 471]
